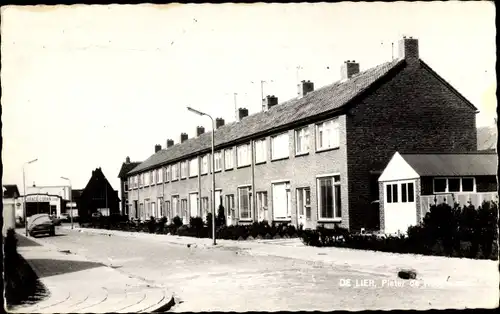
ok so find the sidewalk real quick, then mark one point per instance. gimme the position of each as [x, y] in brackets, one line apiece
[433, 270]
[77, 285]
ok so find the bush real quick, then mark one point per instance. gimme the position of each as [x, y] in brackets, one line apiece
[445, 230]
[177, 221]
[151, 224]
[220, 220]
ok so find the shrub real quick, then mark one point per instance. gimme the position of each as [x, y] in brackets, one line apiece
[151, 224]
[177, 221]
[220, 220]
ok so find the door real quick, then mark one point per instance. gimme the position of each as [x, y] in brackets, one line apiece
[281, 201]
[218, 201]
[184, 211]
[175, 206]
[400, 210]
[193, 205]
[304, 207]
[136, 209]
[262, 212]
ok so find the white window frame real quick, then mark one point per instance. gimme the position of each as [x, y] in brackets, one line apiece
[318, 191]
[306, 207]
[262, 203]
[229, 158]
[193, 167]
[151, 177]
[205, 207]
[304, 134]
[159, 175]
[204, 164]
[161, 209]
[184, 169]
[243, 155]
[230, 205]
[190, 204]
[146, 178]
[260, 151]
[288, 195]
[280, 150]
[169, 173]
[330, 129]
[447, 190]
[394, 198]
[405, 184]
[218, 161]
[249, 194]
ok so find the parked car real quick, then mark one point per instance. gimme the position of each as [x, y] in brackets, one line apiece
[57, 221]
[41, 224]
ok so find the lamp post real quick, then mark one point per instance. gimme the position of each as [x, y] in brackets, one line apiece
[212, 169]
[24, 199]
[70, 201]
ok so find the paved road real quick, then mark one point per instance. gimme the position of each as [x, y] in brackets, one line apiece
[232, 280]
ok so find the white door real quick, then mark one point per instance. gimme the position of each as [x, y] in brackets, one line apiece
[281, 201]
[303, 207]
[400, 210]
[262, 211]
[193, 205]
[218, 201]
[175, 206]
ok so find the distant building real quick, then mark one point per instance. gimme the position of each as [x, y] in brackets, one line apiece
[98, 196]
[10, 194]
[126, 167]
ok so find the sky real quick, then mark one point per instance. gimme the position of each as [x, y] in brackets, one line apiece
[86, 86]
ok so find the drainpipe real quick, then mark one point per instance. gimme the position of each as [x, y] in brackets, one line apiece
[164, 205]
[254, 210]
[200, 209]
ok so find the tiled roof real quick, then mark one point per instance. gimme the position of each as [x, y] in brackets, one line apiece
[320, 101]
[126, 167]
[466, 164]
[10, 191]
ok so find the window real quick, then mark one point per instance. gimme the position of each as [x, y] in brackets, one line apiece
[193, 167]
[159, 176]
[204, 207]
[184, 169]
[175, 206]
[329, 204]
[327, 135]
[282, 201]
[244, 155]
[392, 193]
[262, 205]
[204, 164]
[136, 180]
[175, 171]
[218, 161]
[244, 201]
[260, 151]
[184, 212]
[152, 177]
[153, 209]
[230, 205]
[229, 158]
[141, 211]
[302, 141]
[304, 202]
[453, 185]
[279, 146]
[407, 192]
[168, 172]
[126, 185]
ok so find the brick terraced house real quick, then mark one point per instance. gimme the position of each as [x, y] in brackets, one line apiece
[315, 159]
[122, 175]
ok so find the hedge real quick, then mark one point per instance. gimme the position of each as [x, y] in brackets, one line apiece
[445, 231]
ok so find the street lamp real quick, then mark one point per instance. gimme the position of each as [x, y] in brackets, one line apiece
[70, 201]
[24, 199]
[213, 167]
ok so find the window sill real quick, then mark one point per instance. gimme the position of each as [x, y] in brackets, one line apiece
[283, 219]
[329, 220]
[301, 154]
[183, 178]
[193, 176]
[245, 166]
[260, 163]
[229, 169]
[327, 149]
[220, 170]
[203, 174]
[278, 159]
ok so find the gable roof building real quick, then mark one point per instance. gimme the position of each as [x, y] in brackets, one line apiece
[346, 130]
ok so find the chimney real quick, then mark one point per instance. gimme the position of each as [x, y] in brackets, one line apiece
[408, 49]
[269, 102]
[157, 148]
[200, 130]
[242, 112]
[348, 69]
[127, 160]
[184, 137]
[219, 122]
[305, 88]
[170, 143]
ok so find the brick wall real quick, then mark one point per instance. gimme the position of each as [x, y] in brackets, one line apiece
[414, 112]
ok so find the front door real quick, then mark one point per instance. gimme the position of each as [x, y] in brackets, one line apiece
[175, 206]
[262, 212]
[193, 205]
[304, 207]
[400, 210]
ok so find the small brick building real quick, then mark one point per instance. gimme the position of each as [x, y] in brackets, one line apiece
[314, 159]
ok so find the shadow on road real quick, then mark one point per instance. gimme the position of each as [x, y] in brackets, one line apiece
[49, 236]
[53, 267]
[22, 241]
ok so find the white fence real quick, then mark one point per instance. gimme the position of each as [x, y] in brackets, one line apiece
[475, 199]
